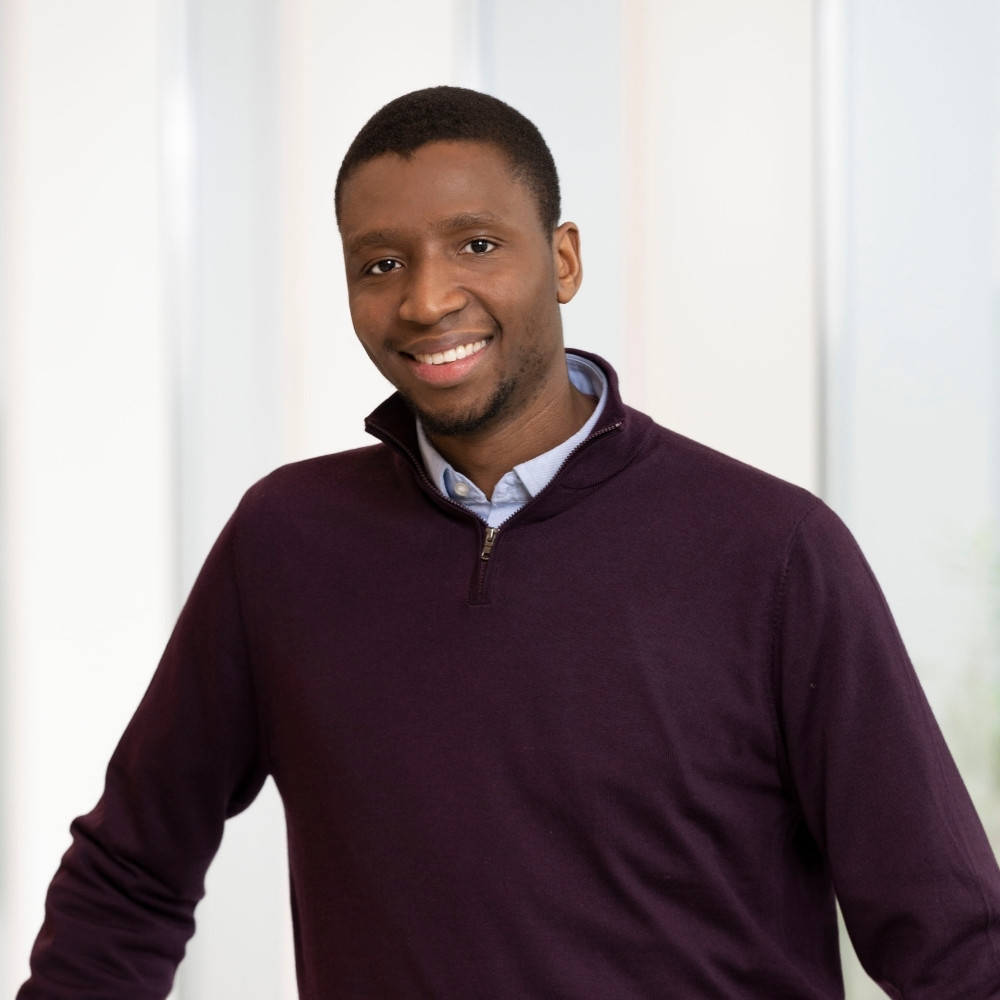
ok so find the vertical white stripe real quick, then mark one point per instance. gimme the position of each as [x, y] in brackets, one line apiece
[635, 215]
[831, 215]
[86, 457]
[724, 283]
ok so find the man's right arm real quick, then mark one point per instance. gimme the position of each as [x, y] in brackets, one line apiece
[120, 909]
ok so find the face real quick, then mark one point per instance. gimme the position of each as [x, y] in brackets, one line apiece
[454, 285]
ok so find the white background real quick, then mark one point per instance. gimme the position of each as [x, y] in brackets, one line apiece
[789, 220]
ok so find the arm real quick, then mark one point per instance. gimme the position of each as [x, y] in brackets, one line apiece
[914, 873]
[120, 909]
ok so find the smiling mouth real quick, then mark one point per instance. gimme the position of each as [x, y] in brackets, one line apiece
[453, 354]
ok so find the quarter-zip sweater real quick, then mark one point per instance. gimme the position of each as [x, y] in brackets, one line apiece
[630, 754]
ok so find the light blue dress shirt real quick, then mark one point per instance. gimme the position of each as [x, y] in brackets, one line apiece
[526, 480]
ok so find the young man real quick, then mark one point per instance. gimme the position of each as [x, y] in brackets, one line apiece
[559, 703]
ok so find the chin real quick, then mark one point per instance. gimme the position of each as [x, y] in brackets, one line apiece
[470, 421]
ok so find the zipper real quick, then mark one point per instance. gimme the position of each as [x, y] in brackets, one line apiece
[490, 538]
[477, 594]
[488, 542]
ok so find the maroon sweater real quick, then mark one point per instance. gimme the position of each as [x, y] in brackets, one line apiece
[630, 755]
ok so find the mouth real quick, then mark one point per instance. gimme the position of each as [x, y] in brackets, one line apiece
[452, 354]
[443, 369]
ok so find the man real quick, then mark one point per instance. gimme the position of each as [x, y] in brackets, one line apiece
[559, 703]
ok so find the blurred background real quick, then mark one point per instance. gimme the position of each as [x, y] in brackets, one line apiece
[790, 223]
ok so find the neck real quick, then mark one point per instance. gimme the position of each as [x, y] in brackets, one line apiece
[487, 455]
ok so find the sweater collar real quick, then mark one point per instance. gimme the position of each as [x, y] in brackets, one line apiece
[611, 445]
[524, 480]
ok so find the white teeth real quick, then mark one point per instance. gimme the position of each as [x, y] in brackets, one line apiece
[454, 354]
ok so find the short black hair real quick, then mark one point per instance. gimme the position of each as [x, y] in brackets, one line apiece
[441, 114]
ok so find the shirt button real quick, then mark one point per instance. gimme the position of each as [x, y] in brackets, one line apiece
[462, 489]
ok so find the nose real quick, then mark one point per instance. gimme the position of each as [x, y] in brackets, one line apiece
[431, 293]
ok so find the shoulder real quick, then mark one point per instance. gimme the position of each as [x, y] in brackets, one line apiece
[318, 487]
[705, 486]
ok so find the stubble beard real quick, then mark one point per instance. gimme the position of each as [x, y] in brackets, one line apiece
[516, 390]
[470, 422]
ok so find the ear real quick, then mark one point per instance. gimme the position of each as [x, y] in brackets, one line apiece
[568, 265]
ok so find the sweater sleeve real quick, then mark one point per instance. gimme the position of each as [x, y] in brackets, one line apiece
[120, 908]
[912, 868]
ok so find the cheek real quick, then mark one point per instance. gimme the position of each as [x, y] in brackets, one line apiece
[517, 300]
[370, 341]
[537, 310]
[380, 360]
[367, 318]
[369, 351]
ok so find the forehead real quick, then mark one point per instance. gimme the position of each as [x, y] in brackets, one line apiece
[439, 180]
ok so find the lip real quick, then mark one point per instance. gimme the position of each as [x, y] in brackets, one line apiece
[450, 372]
[445, 342]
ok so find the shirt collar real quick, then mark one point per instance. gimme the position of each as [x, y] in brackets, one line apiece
[535, 474]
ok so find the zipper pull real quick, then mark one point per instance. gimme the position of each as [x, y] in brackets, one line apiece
[491, 537]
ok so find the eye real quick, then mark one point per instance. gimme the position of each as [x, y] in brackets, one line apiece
[383, 266]
[480, 246]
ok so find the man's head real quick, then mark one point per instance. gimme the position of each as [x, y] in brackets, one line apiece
[455, 114]
[454, 286]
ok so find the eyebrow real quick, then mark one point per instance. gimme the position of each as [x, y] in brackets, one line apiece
[377, 237]
[467, 220]
[450, 224]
